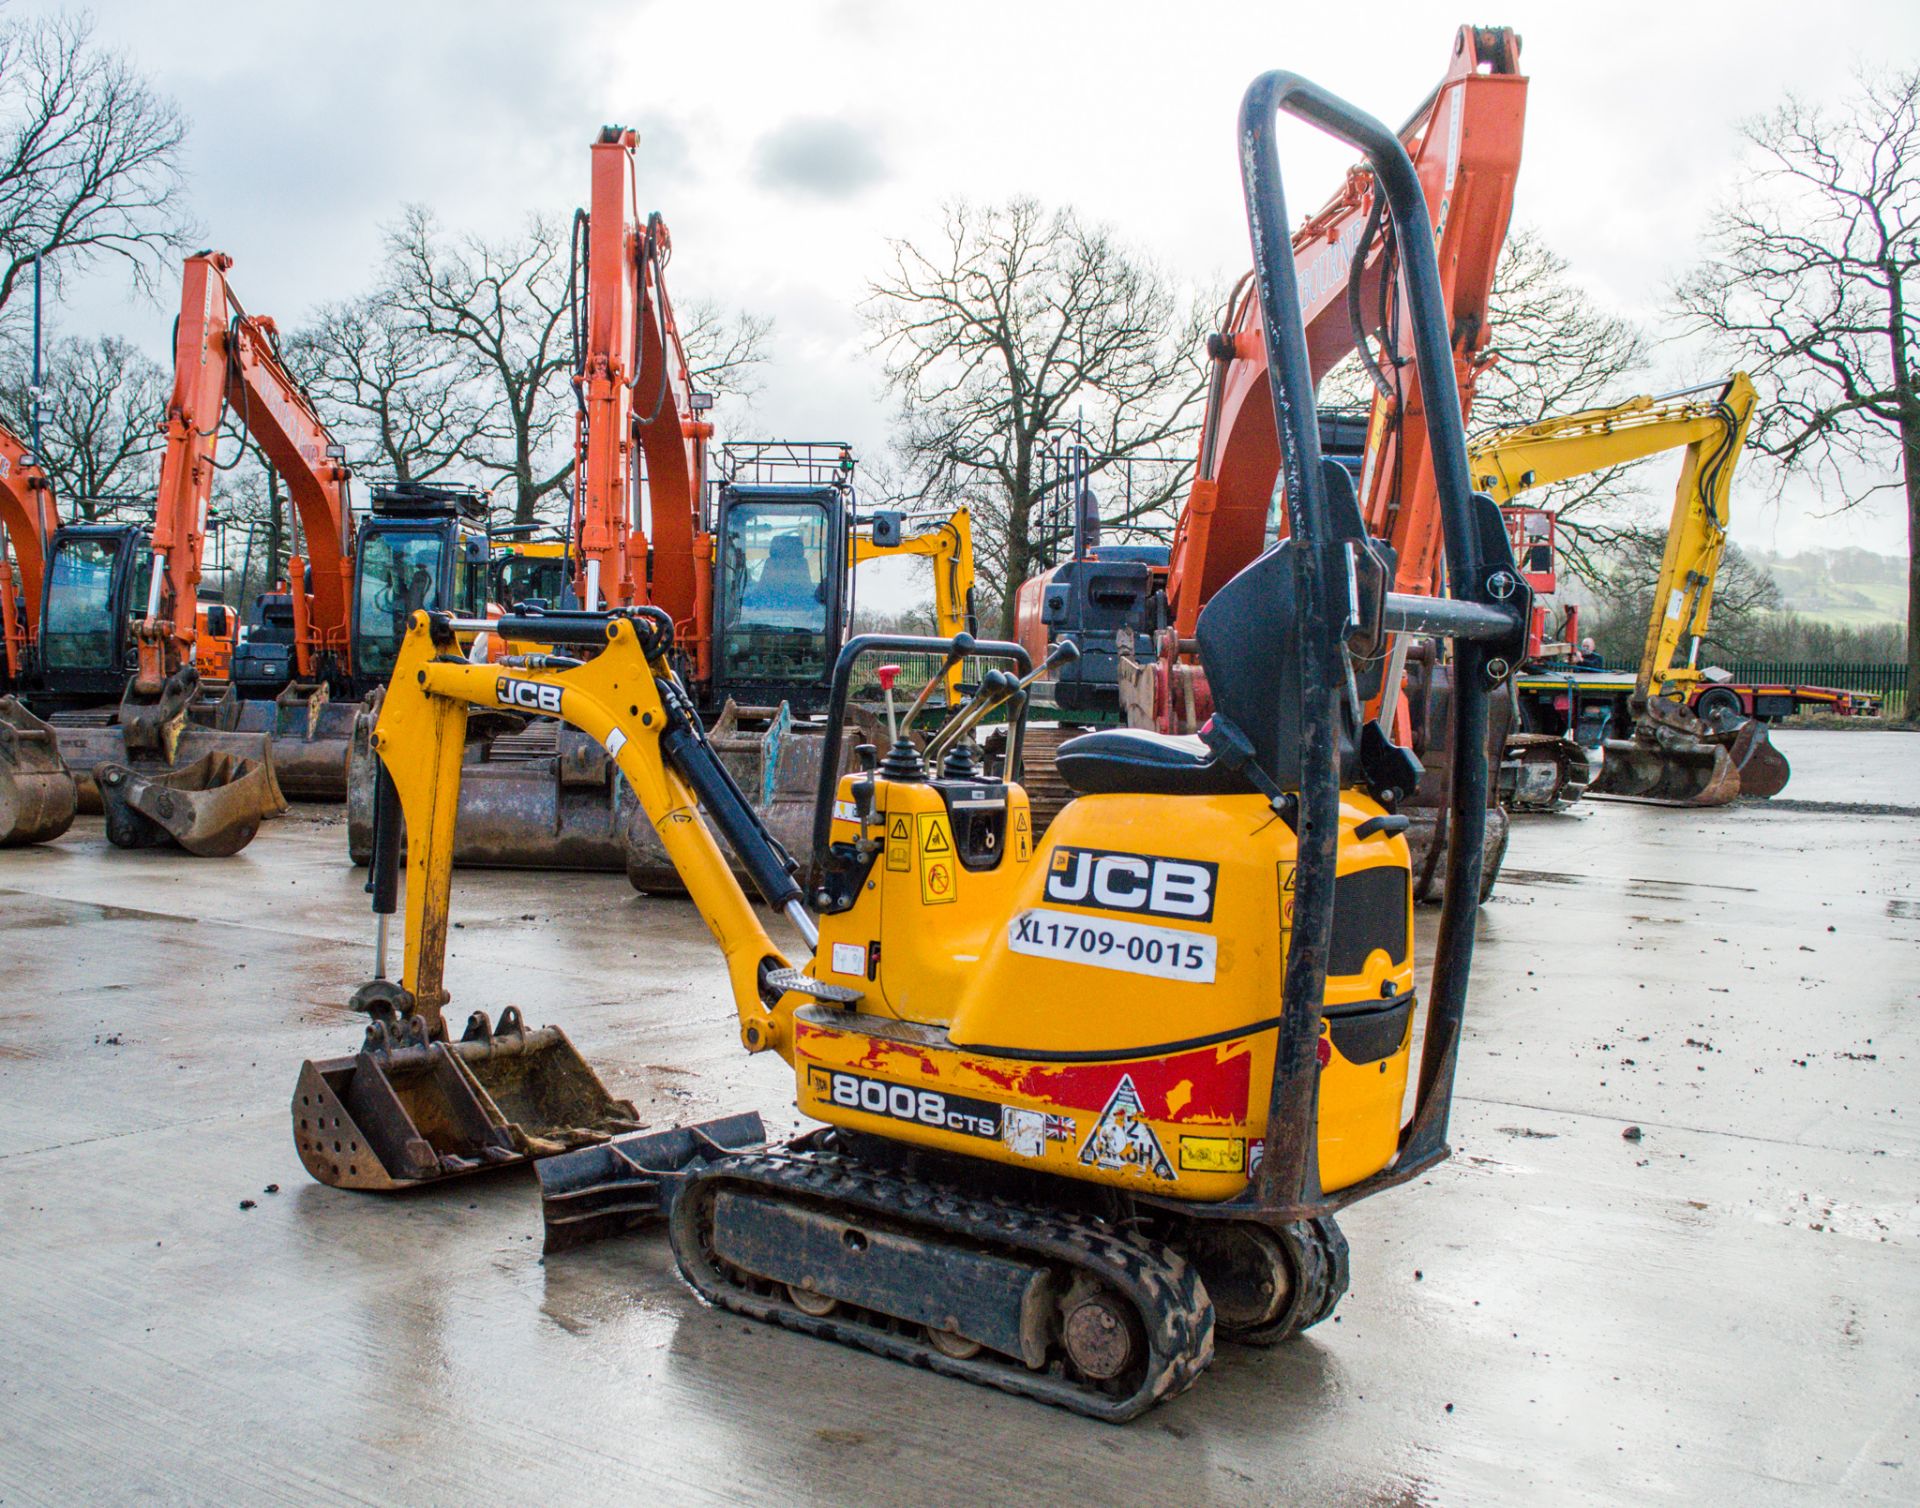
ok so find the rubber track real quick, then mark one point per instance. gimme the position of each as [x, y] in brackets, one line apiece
[1318, 1249]
[1162, 1286]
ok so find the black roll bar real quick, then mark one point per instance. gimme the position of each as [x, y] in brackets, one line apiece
[1485, 598]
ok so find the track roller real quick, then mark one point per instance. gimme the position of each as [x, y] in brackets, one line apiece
[1057, 1307]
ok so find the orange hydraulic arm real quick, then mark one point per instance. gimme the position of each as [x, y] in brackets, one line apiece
[637, 413]
[224, 357]
[1465, 144]
[28, 518]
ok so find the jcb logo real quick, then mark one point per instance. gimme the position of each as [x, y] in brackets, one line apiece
[1180, 888]
[534, 696]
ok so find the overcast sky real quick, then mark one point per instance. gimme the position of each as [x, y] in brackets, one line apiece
[784, 142]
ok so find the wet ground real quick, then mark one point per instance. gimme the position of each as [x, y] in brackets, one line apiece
[1726, 1309]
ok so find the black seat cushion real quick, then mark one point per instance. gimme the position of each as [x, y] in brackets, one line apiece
[1131, 761]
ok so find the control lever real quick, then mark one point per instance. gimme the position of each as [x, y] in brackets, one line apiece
[997, 687]
[962, 646]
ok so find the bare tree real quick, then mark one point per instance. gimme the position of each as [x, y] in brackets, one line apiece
[725, 347]
[1806, 281]
[89, 157]
[101, 410]
[1016, 322]
[503, 306]
[1746, 599]
[404, 402]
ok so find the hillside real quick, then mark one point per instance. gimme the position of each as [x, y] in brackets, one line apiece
[1851, 586]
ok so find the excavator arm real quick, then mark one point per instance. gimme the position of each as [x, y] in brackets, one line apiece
[28, 517]
[949, 545]
[1465, 143]
[615, 698]
[225, 358]
[639, 413]
[1710, 425]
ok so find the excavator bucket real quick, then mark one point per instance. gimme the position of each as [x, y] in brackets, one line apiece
[1673, 759]
[404, 1111]
[309, 734]
[211, 808]
[153, 734]
[37, 792]
[1763, 768]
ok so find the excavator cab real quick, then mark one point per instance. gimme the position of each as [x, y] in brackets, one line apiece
[86, 638]
[423, 549]
[780, 594]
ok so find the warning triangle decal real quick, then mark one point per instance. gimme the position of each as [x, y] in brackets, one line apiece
[1122, 1139]
[937, 839]
[899, 831]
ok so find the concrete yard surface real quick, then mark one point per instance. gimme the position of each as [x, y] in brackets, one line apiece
[1723, 1310]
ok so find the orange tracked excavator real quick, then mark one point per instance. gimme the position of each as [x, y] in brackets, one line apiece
[134, 669]
[1465, 144]
[36, 791]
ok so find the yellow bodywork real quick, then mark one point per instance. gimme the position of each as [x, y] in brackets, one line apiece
[1099, 1004]
[1712, 431]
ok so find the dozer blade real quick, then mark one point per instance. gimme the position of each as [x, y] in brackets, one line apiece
[309, 735]
[211, 808]
[1673, 759]
[403, 1112]
[619, 1185]
[37, 791]
[1763, 768]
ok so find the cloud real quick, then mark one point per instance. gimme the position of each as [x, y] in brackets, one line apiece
[823, 158]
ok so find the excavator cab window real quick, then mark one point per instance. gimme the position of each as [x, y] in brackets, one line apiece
[89, 573]
[401, 571]
[780, 590]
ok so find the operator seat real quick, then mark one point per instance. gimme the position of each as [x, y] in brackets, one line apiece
[1252, 741]
[786, 579]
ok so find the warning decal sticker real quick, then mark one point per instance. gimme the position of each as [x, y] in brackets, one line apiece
[899, 844]
[939, 873]
[1122, 1140]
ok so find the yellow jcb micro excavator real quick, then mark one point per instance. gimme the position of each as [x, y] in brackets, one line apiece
[1087, 1101]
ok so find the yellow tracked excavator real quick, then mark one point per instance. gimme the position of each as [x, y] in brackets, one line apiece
[1671, 753]
[1087, 1102]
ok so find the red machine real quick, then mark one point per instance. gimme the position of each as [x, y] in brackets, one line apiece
[639, 415]
[1465, 142]
[28, 519]
[224, 356]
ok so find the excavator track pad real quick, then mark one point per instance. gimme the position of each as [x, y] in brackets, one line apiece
[211, 807]
[1054, 1306]
[38, 795]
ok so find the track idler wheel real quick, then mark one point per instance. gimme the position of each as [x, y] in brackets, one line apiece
[1269, 1282]
[38, 795]
[211, 808]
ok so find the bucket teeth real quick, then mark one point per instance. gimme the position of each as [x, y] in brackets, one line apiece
[405, 1110]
